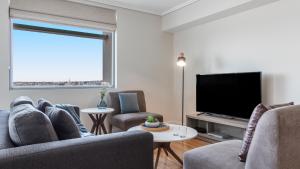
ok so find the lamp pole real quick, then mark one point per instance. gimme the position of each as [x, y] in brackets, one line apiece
[182, 97]
[181, 62]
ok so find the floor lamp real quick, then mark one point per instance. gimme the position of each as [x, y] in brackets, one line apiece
[181, 63]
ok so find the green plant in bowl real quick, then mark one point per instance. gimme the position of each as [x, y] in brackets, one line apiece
[152, 122]
[151, 119]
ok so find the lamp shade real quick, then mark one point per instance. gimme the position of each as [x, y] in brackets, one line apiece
[181, 60]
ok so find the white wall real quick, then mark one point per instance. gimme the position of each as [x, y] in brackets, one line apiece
[197, 10]
[264, 39]
[204, 11]
[143, 63]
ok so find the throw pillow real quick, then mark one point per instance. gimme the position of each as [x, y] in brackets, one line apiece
[42, 104]
[63, 123]
[27, 125]
[257, 113]
[21, 100]
[72, 111]
[129, 103]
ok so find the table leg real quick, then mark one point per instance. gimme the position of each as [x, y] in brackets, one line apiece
[94, 123]
[166, 152]
[102, 124]
[97, 126]
[98, 123]
[157, 157]
[167, 149]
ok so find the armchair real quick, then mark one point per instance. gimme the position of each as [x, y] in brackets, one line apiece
[275, 145]
[128, 120]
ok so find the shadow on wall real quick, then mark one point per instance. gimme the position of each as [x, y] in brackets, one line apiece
[274, 89]
[267, 88]
[280, 91]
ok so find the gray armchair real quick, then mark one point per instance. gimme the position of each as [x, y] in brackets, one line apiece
[126, 121]
[275, 145]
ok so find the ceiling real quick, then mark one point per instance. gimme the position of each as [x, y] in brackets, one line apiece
[158, 7]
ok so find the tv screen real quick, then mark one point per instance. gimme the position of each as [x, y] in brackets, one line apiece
[234, 94]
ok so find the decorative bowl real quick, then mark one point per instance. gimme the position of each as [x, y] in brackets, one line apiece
[153, 124]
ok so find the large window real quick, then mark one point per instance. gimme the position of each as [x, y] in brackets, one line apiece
[49, 55]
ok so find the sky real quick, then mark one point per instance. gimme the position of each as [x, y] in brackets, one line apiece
[48, 57]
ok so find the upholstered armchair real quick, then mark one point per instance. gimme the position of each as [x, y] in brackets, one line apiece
[125, 121]
[275, 145]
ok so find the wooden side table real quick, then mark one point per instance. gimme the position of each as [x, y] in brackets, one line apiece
[98, 116]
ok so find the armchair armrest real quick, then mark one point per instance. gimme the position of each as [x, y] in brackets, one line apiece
[128, 150]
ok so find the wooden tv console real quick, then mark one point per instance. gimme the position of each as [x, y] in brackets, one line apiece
[216, 128]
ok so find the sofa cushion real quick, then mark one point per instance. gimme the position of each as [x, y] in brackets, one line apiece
[27, 125]
[21, 100]
[129, 103]
[5, 141]
[63, 123]
[221, 155]
[126, 121]
[42, 104]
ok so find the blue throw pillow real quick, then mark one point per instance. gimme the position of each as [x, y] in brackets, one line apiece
[129, 103]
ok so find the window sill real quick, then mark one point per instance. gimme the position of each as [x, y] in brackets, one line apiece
[55, 87]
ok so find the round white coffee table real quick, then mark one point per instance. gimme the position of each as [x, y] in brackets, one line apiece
[98, 116]
[163, 140]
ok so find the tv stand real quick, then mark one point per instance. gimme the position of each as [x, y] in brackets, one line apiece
[216, 128]
[222, 116]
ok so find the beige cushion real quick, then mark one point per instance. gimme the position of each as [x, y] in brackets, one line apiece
[126, 121]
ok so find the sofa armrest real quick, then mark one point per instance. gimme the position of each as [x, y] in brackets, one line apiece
[127, 150]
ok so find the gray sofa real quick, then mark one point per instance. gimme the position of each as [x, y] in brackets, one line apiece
[126, 121]
[275, 145]
[127, 150]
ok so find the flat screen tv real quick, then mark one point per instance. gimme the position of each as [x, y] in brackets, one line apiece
[233, 94]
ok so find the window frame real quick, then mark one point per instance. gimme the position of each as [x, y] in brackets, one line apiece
[111, 48]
